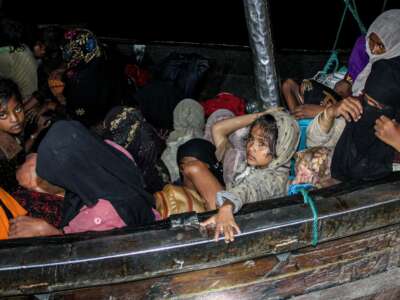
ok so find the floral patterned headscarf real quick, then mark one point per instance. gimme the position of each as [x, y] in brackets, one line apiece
[80, 48]
[313, 166]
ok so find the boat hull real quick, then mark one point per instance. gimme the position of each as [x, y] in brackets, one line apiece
[271, 230]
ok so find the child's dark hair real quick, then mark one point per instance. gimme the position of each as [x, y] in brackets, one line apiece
[8, 88]
[270, 131]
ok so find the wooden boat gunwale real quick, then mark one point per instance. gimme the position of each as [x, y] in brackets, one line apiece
[48, 265]
[56, 264]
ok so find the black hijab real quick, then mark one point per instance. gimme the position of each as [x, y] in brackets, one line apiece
[204, 151]
[127, 127]
[359, 154]
[88, 169]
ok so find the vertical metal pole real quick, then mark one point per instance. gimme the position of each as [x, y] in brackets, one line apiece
[258, 26]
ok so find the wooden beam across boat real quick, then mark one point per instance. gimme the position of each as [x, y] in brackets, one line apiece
[43, 265]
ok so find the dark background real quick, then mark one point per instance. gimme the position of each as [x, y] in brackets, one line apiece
[301, 24]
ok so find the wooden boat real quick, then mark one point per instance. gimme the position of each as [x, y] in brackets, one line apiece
[358, 226]
[358, 247]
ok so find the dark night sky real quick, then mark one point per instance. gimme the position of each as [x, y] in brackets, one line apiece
[301, 24]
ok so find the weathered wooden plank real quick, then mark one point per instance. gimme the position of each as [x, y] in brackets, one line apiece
[303, 271]
[63, 263]
[385, 286]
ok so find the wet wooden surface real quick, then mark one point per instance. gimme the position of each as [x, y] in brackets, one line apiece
[56, 264]
[384, 286]
[274, 276]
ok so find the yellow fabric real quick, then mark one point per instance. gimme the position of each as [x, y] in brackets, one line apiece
[175, 199]
[15, 209]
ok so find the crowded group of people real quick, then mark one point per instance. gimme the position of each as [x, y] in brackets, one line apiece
[81, 151]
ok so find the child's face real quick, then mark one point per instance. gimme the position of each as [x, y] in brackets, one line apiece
[258, 152]
[12, 117]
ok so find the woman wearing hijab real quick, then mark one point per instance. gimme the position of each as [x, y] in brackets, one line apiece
[127, 127]
[358, 153]
[271, 143]
[103, 187]
[188, 124]
[93, 86]
[381, 76]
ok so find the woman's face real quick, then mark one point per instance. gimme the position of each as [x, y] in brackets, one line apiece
[258, 152]
[375, 44]
[12, 117]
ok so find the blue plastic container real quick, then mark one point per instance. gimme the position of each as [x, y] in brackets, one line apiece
[303, 124]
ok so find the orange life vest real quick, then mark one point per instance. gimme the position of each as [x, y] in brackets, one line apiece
[9, 208]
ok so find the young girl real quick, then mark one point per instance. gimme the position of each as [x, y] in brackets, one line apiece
[11, 129]
[14, 140]
[271, 143]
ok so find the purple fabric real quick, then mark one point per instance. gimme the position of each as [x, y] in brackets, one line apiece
[358, 58]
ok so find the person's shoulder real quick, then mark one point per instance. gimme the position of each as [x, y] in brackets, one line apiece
[393, 62]
[386, 68]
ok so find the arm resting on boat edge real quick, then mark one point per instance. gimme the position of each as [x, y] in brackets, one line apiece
[24, 226]
[100, 217]
[224, 223]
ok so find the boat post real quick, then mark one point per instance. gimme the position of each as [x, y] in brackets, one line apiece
[260, 37]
